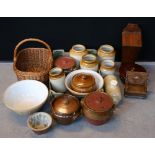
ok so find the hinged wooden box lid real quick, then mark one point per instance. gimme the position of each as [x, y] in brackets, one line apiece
[136, 84]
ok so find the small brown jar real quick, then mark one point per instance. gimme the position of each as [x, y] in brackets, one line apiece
[83, 83]
[106, 52]
[107, 67]
[57, 79]
[77, 52]
[66, 109]
[89, 62]
[67, 63]
[97, 107]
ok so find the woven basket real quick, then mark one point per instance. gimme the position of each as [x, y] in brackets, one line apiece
[33, 63]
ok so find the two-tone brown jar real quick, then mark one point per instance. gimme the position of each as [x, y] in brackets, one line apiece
[97, 107]
[66, 109]
[77, 52]
[107, 67]
[83, 83]
[57, 79]
[89, 62]
[106, 52]
[67, 63]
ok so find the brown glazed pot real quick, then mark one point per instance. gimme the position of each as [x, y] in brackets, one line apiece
[83, 83]
[66, 109]
[67, 63]
[97, 107]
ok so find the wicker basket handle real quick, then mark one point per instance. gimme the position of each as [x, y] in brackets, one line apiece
[30, 40]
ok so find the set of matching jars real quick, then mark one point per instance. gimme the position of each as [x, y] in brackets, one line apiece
[103, 62]
[97, 106]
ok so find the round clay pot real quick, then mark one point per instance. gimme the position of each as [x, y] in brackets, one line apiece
[66, 109]
[67, 63]
[83, 83]
[97, 107]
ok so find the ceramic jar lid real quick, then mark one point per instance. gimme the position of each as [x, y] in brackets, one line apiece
[83, 83]
[65, 62]
[98, 101]
[66, 104]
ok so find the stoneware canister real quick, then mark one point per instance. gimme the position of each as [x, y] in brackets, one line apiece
[77, 52]
[112, 88]
[57, 79]
[97, 107]
[66, 109]
[83, 83]
[67, 63]
[89, 62]
[106, 52]
[107, 67]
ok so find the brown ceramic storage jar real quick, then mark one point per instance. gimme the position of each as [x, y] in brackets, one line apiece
[67, 63]
[66, 109]
[89, 62]
[97, 107]
[77, 52]
[83, 83]
[106, 52]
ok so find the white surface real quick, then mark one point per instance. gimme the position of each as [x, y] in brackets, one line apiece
[25, 96]
[132, 118]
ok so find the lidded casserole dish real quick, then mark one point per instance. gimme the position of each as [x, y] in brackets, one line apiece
[66, 109]
[97, 107]
[83, 83]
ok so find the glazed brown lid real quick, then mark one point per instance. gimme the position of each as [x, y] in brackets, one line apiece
[98, 101]
[83, 81]
[65, 104]
[65, 62]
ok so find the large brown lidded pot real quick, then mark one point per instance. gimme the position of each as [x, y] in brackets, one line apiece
[97, 107]
[83, 83]
[66, 109]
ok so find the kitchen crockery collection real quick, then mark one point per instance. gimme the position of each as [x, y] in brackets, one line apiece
[81, 82]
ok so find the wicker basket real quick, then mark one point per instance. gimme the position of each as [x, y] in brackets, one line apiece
[33, 63]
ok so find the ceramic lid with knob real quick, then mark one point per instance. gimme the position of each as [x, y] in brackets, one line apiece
[66, 104]
[83, 83]
[98, 101]
[65, 62]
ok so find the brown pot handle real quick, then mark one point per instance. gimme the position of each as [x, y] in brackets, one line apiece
[30, 40]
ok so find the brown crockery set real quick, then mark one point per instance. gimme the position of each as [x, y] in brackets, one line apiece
[97, 106]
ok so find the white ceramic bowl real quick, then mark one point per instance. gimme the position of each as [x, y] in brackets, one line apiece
[98, 80]
[39, 122]
[26, 96]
